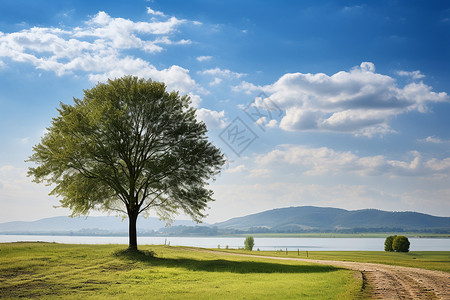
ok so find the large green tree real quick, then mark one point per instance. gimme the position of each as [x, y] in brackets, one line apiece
[128, 146]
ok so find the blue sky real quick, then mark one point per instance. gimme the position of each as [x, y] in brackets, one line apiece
[327, 103]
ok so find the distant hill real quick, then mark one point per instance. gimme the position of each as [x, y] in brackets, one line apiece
[281, 220]
[82, 225]
[310, 218]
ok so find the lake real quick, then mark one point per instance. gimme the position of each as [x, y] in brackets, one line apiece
[292, 244]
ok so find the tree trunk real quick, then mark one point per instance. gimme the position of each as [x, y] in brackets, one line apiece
[132, 218]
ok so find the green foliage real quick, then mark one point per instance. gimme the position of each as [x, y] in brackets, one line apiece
[61, 271]
[388, 243]
[400, 244]
[249, 243]
[128, 146]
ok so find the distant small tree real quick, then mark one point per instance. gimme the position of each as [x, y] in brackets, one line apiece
[388, 243]
[400, 244]
[249, 243]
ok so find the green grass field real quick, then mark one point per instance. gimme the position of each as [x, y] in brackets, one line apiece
[48, 270]
[431, 260]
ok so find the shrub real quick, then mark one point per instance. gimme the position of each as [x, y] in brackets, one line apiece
[249, 243]
[400, 244]
[388, 243]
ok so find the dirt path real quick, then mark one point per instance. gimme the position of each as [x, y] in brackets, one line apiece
[388, 282]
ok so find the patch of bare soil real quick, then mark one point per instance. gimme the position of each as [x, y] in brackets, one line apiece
[389, 282]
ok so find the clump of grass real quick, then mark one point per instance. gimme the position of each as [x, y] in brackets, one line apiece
[135, 253]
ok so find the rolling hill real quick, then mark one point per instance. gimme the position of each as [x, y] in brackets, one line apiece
[308, 218]
[289, 219]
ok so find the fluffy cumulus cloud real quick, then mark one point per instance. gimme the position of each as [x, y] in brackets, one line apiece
[323, 161]
[99, 48]
[213, 119]
[359, 101]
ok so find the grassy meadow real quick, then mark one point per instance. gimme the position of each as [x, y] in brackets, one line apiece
[49, 270]
[431, 260]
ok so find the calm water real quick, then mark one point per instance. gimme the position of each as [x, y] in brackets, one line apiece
[311, 244]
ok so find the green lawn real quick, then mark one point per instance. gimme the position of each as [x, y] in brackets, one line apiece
[48, 270]
[432, 260]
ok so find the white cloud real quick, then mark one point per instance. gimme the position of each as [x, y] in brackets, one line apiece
[222, 73]
[352, 9]
[246, 87]
[216, 81]
[261, 121]
[359, 101]
[433, 139]
[154, 12]
[97, 49]
[272, 124]
[413, 74]
[258, 173]
[426, 200]
[204, 58]
[237, 169]
[326, 161]
[119, 30]
[212, 119]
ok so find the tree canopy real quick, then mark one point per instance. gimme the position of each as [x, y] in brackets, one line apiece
[400, 244]
[128, 146]
[249, 243]
[388, 243]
